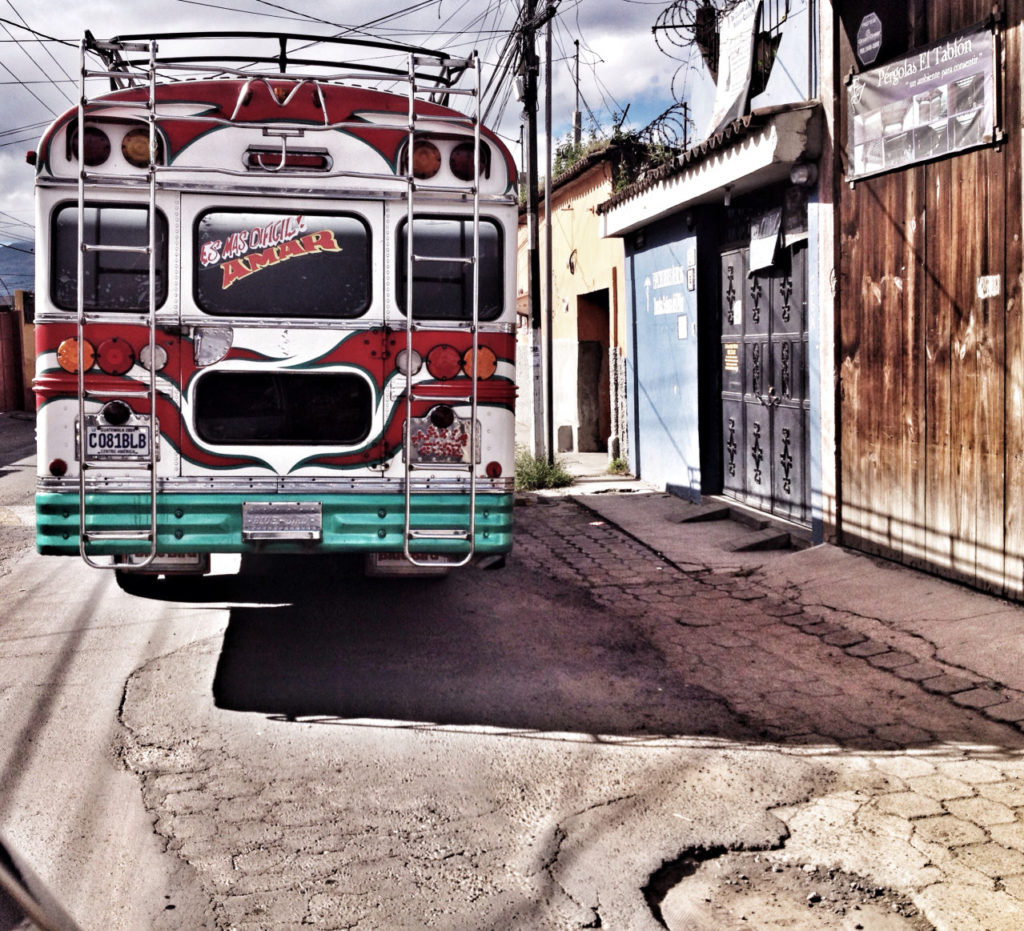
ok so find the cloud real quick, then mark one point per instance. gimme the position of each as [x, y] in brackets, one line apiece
[620, 63]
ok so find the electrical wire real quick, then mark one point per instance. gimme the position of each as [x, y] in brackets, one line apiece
[42, 70]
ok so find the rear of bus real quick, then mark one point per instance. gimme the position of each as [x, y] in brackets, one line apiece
[225, 357]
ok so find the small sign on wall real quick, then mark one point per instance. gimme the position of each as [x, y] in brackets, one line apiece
[682, 329]
[869, 39]
[989, 286]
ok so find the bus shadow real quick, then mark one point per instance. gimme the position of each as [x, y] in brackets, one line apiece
[505, 650]
[516, 650]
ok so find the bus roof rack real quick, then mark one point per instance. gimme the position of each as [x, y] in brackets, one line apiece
[441, 70]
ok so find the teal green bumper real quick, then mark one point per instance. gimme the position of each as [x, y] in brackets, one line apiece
[212, 523]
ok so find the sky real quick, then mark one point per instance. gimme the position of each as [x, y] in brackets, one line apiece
[621, 68]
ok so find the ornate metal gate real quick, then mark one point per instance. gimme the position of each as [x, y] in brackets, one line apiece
[764, 383]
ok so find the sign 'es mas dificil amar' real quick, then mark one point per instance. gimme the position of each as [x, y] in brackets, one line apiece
[936, 100]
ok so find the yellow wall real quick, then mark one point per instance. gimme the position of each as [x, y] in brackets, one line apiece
[599, 262]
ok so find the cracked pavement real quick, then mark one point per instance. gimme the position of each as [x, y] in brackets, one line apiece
[536, 744]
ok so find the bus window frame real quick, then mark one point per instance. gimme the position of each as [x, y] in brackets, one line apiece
[276, 212]
[400, 259]
[164, 288]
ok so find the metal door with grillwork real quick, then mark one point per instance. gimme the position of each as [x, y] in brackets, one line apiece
[764, 383]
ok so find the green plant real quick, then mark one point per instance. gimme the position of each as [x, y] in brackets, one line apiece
[568, 153]
[533, 473]
[618, 467]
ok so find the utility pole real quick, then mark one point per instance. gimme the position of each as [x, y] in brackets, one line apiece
[531, 64]
[577, 117]
[549, 321]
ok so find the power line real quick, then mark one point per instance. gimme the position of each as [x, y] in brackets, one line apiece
[42, 70]
[20, 129]
[37, 34]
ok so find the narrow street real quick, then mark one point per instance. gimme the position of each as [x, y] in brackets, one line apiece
[599, 735]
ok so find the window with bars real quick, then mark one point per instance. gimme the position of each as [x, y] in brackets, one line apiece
[770, 19]
[771, 15]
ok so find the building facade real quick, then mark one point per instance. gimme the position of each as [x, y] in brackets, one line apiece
[930, 339]
[587, 316]
[823, 297]
[727, 250]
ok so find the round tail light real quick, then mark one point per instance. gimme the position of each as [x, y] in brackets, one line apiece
[408, 361]
[67, 355]
[426, 160]
[462, 161]
[158, 361]
[442, 416]
[96, 145]
[115, 356]
[486, 362]
[443, 362]
[135, 148]
[116, 413]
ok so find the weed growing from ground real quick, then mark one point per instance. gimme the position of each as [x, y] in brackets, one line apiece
[533, 473]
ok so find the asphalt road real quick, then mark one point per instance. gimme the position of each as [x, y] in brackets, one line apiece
[295, 743]
[590, 737]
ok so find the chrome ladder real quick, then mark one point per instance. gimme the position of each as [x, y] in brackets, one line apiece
[142, 534]
[412, 392]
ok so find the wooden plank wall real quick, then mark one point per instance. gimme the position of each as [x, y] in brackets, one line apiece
[931, 393]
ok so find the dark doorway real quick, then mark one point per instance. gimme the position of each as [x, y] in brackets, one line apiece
[593, 397]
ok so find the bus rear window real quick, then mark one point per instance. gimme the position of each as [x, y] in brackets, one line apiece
[258, 264]
[283, 407]
[112, 280]
[444, 290]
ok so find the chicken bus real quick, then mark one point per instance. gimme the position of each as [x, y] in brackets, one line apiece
[275, 307]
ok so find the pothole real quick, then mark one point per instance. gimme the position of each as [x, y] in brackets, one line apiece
[717, 890]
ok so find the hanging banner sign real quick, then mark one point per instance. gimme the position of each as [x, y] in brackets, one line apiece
[764, 238]
[735, 64]
[936, 101]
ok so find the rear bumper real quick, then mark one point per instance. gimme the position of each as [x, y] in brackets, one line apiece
[212, 523]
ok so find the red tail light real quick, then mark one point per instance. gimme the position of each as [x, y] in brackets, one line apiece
[443, 362]
[96, 146]
[115, 356]
[426, 160]
[462, 161]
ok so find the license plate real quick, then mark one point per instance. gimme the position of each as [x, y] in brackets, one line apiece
[282, 520]
[168, 563]
[131, 441]
[389, 564]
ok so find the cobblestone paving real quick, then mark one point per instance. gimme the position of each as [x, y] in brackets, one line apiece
[929, 791]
